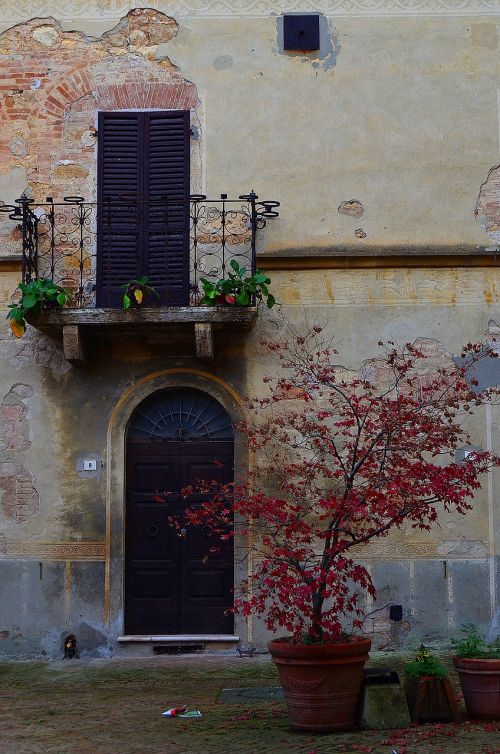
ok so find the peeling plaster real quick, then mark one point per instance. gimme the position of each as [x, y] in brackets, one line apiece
[385, 633]
[353, 208]
[14, 427]
[119, 70]
[33, 349]
[488, 205]
[141, 27]
[19, 499]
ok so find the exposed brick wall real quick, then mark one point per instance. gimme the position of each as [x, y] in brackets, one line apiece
[53, 83]
[488, 205]
[18, 497]
[14, 429]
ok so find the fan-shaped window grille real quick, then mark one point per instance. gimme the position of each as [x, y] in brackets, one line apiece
[180, 415]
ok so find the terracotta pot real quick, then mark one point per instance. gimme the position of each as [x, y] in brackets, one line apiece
[321, 682]
[431, 699]
[480, 682]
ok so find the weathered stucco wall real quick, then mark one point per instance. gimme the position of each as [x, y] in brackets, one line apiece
[61, 554]
[399, 114]
[388, 139]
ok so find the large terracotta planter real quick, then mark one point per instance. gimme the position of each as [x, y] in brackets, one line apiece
[321, 682]
[480, 682]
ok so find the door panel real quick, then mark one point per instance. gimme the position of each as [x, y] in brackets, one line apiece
[206, 577]
[152, 563]
[175, 584]
[154, 581]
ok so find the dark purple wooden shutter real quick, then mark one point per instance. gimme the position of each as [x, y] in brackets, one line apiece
[118, 227]
[143, 195]
[167, 182]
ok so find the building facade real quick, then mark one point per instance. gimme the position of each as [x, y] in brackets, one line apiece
[156, 141]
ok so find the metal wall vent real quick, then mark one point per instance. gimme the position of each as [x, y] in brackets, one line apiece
[177, 649]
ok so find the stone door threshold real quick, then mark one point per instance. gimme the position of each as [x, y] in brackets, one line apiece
[179, 638]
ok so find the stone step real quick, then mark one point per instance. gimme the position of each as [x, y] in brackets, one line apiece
[175, 644]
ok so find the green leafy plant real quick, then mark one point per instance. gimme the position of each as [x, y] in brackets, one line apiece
[474, 646]
[136, 290]
[425, 665]
[37, 295]
[238, 288]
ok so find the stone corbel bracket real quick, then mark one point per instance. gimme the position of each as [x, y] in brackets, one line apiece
[78, 327]
[73, 345]
[204, 340]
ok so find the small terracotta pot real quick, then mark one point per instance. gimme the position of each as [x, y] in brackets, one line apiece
[321, 682]
[431, 699]
[480, 682]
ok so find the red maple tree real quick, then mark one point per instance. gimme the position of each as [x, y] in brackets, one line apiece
[342, 458]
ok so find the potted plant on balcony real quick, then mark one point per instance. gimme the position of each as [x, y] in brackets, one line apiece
[428, 689]
[238, 288]
[36, 296]
[478, 666]
[136, 291]
[341, 458]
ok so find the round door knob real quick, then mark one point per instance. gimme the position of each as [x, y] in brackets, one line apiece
[183, 532]
[152, 530]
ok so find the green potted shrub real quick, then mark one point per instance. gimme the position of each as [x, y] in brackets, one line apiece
[428, 689]
[477, 663]
[36, 296]
[136, 291]
[238, 288]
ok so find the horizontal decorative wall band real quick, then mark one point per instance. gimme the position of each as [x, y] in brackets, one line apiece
[16, 11]
[386, 549]
[33, 550]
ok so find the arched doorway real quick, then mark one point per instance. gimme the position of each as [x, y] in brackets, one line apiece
[174, 584]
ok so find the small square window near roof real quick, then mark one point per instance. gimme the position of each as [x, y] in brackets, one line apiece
[301, 32]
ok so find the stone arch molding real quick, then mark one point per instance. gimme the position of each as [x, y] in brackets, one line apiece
[116, 459]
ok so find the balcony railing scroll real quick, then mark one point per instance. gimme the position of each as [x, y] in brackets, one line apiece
[63, 240]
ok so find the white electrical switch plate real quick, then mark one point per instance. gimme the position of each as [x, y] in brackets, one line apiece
[90, 465]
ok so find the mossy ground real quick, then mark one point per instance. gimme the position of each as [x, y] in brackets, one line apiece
[115, 706]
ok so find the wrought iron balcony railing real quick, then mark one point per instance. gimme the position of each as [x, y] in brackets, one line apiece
[77, 243]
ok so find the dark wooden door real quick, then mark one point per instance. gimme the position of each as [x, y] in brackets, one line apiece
[175, 584]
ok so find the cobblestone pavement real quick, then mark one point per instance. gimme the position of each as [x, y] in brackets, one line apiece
[114, 707]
